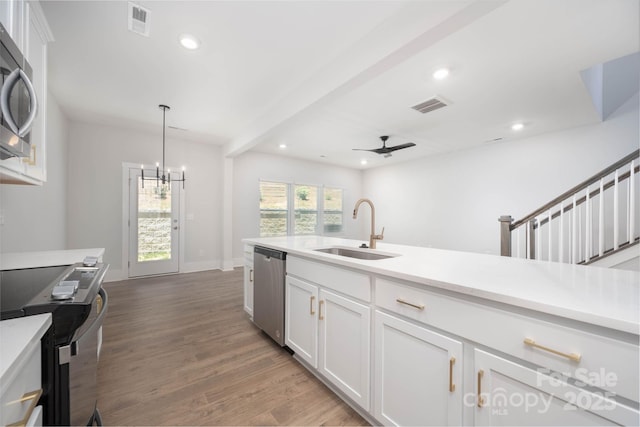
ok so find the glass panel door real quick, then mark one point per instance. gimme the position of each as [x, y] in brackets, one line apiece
[154, 231]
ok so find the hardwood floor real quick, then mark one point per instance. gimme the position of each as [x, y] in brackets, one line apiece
[180, 350]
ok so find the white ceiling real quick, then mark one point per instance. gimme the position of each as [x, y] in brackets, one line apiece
[324, 77]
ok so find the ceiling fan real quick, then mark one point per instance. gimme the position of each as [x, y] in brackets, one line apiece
[387, 150]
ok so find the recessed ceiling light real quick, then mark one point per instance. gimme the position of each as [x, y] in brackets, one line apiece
[282, 146]
[517, 126]
[440, 74]
[363, 162]
[189, 42]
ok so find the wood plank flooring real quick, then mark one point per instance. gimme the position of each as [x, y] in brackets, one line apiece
[180, 350]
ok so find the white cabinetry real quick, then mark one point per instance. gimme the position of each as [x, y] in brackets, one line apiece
[509, 393]
[28, 27]
[418, 374]
[344, 345]
[300, 319]
[329, 331]
[21, 369]
[248, 279]
[551, 374]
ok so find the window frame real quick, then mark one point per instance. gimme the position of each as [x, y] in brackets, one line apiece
[291, 211]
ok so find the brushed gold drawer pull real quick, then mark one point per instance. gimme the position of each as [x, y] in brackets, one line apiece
[480, 398]
[320, 316]
[410, 304]
[32, 396]
[571, 356]
[452, 386]
[311, 312]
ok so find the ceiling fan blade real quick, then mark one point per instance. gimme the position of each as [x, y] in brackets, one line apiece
[400, 147]
[363, 149]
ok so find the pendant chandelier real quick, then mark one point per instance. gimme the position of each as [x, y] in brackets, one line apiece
[164, 178]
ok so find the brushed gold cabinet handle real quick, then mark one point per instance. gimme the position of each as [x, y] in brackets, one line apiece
[32, 396]
[571, 356]
[320, 316]
[311, 312]
[251, 275]
[480, 398]
[452, 386]
[418, 306]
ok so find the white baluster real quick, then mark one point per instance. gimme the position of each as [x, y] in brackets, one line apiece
[574, 232]
[561, 234]
[518, 230]
[601, 220]
[538, 232]
[616, 203]
[550, 236]
[587, 225]
[632, 203]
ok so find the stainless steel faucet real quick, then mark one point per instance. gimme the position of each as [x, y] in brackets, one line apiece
[373, 237]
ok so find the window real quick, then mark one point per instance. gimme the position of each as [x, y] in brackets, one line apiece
[274, 211]
[306, 209]
[295, 209]
[332, 210]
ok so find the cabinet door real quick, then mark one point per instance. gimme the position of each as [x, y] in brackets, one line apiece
[248, 287]
[508, 393]
[301, 324]
[36, 53]
[418, 374]
[344, 345]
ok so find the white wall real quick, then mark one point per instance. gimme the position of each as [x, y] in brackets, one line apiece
[251, 167]
[453, 201]
[35, 216]
[95, 191]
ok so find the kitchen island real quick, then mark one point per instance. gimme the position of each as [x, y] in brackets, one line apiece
[432, 336]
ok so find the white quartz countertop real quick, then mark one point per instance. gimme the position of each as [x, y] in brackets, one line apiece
[18, 336]
[600, 296]
[17, 260]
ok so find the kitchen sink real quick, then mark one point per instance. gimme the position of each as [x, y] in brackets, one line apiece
[356, 253]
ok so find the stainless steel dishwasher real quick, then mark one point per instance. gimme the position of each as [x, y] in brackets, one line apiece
[268, 291]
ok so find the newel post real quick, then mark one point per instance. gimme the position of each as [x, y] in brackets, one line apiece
[505, 234]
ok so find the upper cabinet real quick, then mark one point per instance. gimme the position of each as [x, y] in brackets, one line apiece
[27, 25]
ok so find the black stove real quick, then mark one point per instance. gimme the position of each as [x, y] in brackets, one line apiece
[75, 298]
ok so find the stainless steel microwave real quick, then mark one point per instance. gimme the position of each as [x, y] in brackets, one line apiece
[18, 102]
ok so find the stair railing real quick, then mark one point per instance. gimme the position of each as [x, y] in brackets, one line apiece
[594, 219]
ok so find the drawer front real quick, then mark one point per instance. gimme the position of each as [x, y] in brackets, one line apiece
[593, 359]
[357, 285]
[26, 381]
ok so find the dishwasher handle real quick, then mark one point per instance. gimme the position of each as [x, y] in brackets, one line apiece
[270, 253]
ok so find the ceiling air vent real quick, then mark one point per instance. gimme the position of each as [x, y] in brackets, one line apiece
[139, 19]
[430, 105]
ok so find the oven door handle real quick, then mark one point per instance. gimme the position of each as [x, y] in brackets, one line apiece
[66, 352]
[7, 88]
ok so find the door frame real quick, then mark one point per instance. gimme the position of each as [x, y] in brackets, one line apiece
[126, 166]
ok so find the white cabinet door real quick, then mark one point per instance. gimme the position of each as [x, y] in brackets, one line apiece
[418, 375]
[301, 324]
[344, 345]
[248, 287]
[512, 394]
[35, 51]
